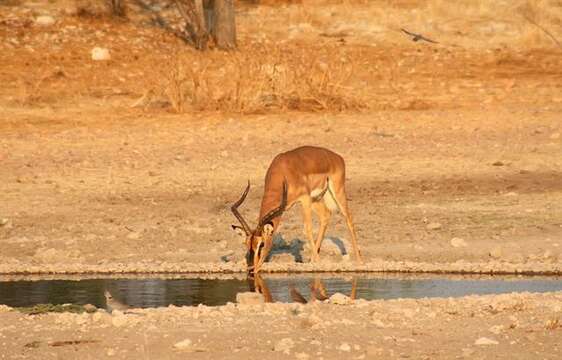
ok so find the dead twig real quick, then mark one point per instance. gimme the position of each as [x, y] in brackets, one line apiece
[418, 37]
[548, 33]
[72, 342]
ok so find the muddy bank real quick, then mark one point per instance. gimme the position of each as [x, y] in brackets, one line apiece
[459, 267]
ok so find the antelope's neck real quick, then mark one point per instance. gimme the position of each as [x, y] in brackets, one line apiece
[272, 196]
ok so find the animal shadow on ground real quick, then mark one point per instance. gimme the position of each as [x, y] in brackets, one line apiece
[295, 248]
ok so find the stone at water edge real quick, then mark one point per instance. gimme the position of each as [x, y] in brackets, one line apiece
[340, 299]
[249, 298]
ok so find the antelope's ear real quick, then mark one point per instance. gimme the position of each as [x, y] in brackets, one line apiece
[268, 229]
[239, 230]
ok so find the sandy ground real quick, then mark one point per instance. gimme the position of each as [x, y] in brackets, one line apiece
[522, 326]
[454, 164]
[470, 150]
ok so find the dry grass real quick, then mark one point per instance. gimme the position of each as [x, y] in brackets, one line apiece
[253, 81]
[33, 87]
[553, 324]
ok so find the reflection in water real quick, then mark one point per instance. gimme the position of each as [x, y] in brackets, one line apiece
[163, 292]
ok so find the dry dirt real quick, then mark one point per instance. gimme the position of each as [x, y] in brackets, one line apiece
[460, 139]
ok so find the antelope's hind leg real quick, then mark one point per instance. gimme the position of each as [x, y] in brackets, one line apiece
[341, 199]
[324, 214]
[307, 203]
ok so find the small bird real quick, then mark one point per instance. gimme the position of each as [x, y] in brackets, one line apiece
[113, 304]
[418, 37]
[295, 295]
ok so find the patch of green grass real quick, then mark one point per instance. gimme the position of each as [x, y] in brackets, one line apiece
[52, 308]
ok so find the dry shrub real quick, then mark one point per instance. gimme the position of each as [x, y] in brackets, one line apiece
[100, 8]
[10, 2]
[254, 81]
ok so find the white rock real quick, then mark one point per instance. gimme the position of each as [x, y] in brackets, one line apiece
[184, 344]
[555, 136]
[249, 298]
[458, 242]
[344, 347]
[302, 356]
[100, 54]
[45, 20]
[485, 341]
[340, 299]
[284, 345]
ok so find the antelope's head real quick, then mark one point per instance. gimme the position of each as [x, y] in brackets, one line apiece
[259, 241]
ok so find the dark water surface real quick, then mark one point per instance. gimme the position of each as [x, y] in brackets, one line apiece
[155, 292]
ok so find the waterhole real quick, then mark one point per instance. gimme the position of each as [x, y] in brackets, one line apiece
[143, 292]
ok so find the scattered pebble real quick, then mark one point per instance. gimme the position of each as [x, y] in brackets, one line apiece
[496, 252]
[344, 347]
[45, 20]
[434, 226]
[184, 344]
[555, 136]
[496, 329]
[100, 54]
[90, 308]
[458, 242]
[285, 345]
[485, 341]
[340, 299]
[119, 320]
[249, 298]
[134, 235]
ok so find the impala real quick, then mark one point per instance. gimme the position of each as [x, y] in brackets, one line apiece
[313, 176]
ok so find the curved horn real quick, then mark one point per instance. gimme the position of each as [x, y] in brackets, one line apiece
[234, 209]
[277, 211]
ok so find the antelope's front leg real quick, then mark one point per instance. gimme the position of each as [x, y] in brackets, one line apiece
[261, 254]
[307, 219]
